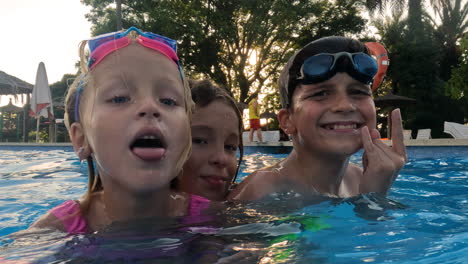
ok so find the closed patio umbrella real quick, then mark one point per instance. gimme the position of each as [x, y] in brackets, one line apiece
[41, 100]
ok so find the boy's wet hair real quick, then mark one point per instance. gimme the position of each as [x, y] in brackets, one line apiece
[204, 92]
[287, 81]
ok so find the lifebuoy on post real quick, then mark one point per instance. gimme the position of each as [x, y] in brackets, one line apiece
[378, 51]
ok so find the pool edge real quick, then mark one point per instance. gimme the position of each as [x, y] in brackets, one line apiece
[410, 142]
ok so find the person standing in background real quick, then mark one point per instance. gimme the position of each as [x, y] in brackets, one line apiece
[254, 119]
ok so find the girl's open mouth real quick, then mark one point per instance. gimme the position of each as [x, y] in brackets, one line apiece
[148, 148]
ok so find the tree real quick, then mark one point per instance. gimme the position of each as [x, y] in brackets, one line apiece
[59, 89]
[450, 21]
[240, 44]
[414, 71]
[118, 13]
[457, 86]
[338, 19]
[375, 5]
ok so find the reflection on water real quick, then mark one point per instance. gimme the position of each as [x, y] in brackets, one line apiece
[424, 221]
[240, 231]
[255, 161]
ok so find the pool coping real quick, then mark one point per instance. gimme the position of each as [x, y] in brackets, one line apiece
[410, 142]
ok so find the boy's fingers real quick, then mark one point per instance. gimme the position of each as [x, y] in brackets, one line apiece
[366, 139]
[365, 160]
[374, 133]
[397, 133]
[385, 152]
[388, 153]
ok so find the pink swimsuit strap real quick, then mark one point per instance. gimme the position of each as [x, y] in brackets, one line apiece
[197, 204]
[69, 213]
[195, 214]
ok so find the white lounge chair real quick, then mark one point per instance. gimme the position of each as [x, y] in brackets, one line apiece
[424, 133]
[456, 130]
[407, 134]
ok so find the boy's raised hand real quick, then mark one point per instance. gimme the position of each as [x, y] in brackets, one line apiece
[382, 163]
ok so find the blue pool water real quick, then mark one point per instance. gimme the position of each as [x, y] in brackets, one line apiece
[423, 221]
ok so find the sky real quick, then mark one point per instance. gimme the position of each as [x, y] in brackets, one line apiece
[41, 30]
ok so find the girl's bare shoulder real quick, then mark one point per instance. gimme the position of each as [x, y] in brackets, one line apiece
[48, 221]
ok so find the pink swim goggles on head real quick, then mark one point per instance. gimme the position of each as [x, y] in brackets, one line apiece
[103, 45]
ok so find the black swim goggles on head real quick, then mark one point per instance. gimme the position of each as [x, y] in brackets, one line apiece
[323, 66]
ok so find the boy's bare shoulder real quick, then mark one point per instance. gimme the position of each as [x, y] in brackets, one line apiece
[257, 185]
[352, 180]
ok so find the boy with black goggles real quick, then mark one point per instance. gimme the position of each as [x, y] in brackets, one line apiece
[329, 114]
[312, 65]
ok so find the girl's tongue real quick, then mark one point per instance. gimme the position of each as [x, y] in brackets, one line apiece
[149, 153]
[148, 148]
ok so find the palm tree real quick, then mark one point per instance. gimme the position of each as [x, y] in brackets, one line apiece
[414, 11]
[373, 5]
[453, 17]
[391, 28]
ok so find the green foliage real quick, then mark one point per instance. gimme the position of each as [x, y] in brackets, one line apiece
[10, 126]
[415, 71]
[270, 103]
[43, 135]
[450, 23]
[218, 39]
[338, 18]
[457, 86]
[375, 5]
[59, 89]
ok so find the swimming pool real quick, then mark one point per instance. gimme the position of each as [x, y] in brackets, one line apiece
[425, 220]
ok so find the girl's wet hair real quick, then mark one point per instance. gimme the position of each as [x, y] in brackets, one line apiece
[204, 93]
[287, 81]
[83, 79]
[85, 82]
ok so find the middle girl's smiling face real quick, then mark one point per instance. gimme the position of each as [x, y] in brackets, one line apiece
[215, 140]
[328, 116]
[135, 120]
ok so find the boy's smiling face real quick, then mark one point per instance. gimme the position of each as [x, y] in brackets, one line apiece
[134, 118]
[327, 117]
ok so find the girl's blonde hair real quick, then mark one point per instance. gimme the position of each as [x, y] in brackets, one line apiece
[84, 81]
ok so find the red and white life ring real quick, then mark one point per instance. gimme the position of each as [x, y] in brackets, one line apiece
[379, 52]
